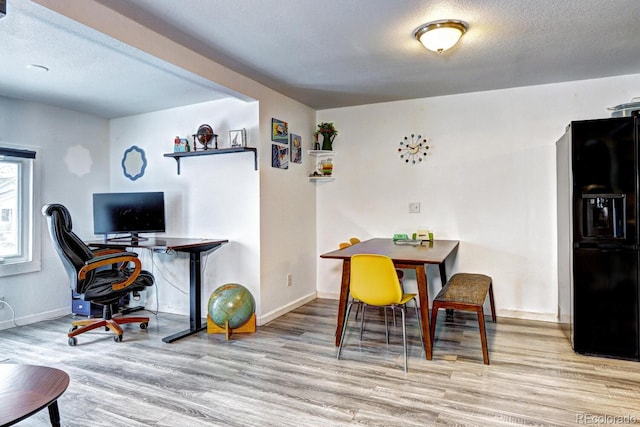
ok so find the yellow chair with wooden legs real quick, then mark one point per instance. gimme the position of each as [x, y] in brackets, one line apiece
[374, 281]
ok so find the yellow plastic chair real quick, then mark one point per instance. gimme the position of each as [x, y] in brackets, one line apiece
[353, 241]
[374, 281]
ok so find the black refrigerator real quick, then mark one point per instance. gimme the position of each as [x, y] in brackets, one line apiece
[598, 247]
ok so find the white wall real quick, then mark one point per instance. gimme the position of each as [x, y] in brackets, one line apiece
[214, 197]
[72, 162]
[267, 215]
[489, 181]
[287, 212]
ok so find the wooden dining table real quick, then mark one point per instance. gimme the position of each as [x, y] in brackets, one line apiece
[404, 256]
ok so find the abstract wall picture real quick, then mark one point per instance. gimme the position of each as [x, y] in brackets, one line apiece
[279, 156]
[279, 131]
[296, 148]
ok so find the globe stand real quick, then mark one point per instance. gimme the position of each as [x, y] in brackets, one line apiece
[248, 327]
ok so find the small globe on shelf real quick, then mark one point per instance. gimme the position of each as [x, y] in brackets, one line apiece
[204, 135]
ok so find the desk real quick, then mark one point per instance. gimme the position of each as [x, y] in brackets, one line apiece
[195, 248]
[26, 389]
[403, 256]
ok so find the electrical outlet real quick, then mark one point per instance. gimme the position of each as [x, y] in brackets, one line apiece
[414, 207]
[289, 279]
[1, 305]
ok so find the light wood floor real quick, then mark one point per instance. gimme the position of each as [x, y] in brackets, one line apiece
[287, 374]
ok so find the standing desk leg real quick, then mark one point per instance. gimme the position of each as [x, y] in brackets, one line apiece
[195, 285]
[344, 296]
[195, 293]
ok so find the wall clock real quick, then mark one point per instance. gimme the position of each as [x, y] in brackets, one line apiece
[413, 149]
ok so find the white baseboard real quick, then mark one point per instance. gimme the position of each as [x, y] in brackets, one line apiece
[527, 315]
[268, 317]
[183, 311]
[329, 295]
[34, 318]
[514, 314]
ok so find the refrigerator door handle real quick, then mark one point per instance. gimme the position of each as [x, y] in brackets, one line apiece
[606, 246]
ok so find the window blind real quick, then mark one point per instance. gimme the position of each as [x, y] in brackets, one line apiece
[13, 152]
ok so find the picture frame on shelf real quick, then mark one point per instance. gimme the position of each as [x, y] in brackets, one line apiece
[296, 148]
[279, 131]
[238, 138]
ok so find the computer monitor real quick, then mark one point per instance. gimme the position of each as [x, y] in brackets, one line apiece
[131, 213]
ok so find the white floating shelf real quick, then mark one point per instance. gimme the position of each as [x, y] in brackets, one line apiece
[321, 178]
[321, 153]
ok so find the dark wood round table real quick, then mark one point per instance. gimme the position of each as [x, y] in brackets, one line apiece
[26, 389]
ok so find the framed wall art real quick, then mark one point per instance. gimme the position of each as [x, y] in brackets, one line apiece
[279, 131]
[296, 148]
[279, 156]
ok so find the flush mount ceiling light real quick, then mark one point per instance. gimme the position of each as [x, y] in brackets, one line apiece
[439, 36]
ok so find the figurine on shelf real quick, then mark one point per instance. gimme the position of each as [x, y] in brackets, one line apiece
[326, 167]
[181, 145]
[316, 144]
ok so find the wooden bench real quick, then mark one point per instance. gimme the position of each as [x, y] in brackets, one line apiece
[466, 292]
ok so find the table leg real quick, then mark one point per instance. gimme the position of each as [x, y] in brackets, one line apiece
[344, 296]
[54, 414]
[443, 273]
[423, 296]
[443, 279]
[195, 294]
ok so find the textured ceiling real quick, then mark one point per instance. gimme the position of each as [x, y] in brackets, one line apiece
[325, 54]
[88, 71]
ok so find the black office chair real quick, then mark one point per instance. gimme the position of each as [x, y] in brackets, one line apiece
[106, 286]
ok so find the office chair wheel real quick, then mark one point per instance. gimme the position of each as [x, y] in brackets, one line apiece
[144, 325]
[73, 328]
[73, 341]
[117, 338]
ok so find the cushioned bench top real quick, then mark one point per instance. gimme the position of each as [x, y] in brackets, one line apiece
[465, 288]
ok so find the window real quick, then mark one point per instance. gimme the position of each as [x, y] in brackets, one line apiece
[19, 245]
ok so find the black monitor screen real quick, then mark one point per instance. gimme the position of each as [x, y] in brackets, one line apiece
[128, 213]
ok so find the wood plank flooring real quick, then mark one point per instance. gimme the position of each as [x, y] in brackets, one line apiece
[286, 374]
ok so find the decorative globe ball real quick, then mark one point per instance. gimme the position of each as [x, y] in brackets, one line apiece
[231, 302]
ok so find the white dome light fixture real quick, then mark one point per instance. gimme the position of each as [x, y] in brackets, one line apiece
[439, 36]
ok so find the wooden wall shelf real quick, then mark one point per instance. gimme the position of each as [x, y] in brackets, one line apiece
[213, 151]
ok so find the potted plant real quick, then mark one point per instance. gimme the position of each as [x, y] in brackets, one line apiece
[328, 132]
